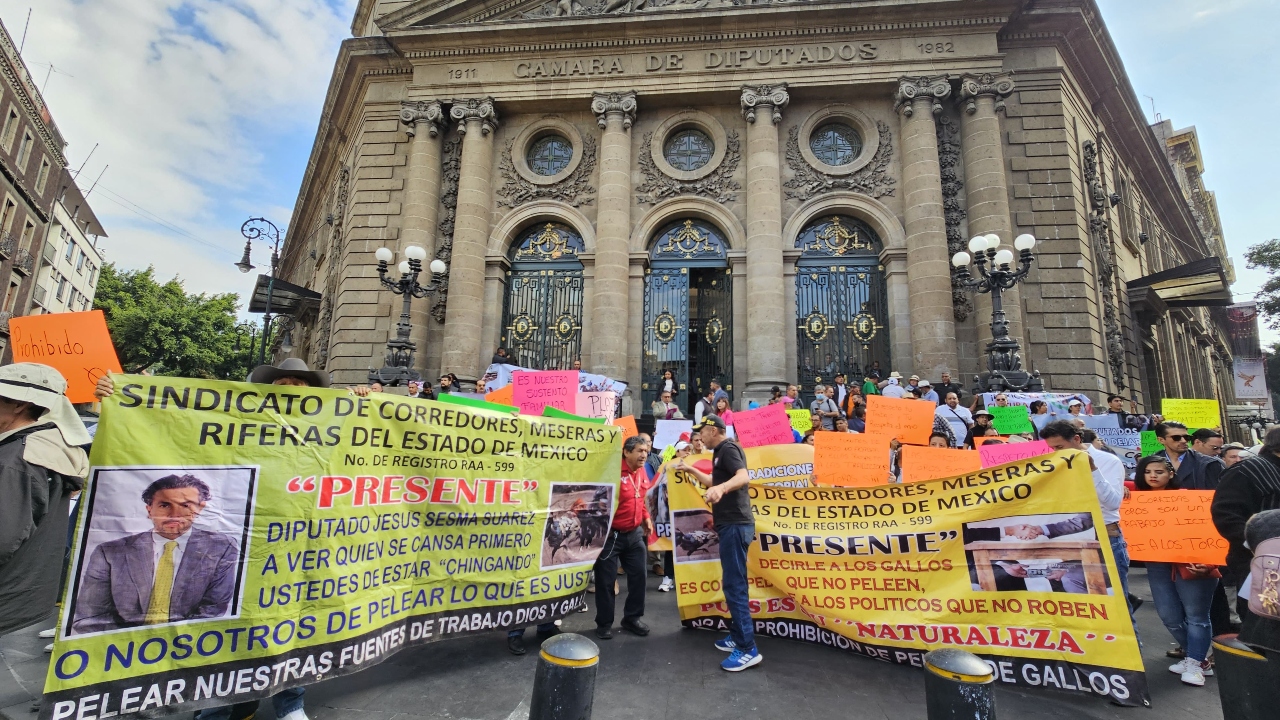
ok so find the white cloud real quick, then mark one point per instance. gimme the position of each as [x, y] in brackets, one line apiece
[184, 98]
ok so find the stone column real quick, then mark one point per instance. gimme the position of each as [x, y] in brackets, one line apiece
[766, 321]
[462, 352]
[933, 327]
[420, 210]
[615, 113]
[986, 185]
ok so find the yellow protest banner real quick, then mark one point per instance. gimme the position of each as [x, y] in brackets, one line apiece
[894, 571]
[921, 462]
[911, 421]
[77, 345]
[849, 460]
[1192, 413]
[1172, 526]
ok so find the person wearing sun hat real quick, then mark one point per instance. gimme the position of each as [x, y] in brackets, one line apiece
[42, 463]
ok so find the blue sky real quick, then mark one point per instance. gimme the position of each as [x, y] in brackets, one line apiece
[205, 111]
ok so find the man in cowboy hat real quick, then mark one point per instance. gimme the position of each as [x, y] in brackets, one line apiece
[42, 464]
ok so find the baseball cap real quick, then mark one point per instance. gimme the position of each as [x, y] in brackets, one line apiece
[1074, 402]
[712, 421]
[681, 445]
[684, 437]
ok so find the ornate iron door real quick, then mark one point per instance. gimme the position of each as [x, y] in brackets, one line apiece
[666, 333]
[542, 320]
[710, 331]
[842, 322]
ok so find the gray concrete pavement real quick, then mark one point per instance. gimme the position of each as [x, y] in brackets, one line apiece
[672, 674]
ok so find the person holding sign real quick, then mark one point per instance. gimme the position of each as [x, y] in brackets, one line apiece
[736, 527]
[1183, 592]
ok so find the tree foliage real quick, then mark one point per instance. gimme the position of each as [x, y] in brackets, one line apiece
[160, 328]
[1266, 256]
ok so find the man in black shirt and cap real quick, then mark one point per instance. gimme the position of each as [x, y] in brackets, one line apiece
[736, 526]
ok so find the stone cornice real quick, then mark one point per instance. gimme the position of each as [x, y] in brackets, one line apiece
[974, 86]
[481, 109]
[602, 104]
[936, 88]
[427, 114]
[489, 48]
[757, 96]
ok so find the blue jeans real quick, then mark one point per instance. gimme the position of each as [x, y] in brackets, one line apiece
[284, 702]
[735, 540]
[544, 628]
[1183, 606]
[1120, 549]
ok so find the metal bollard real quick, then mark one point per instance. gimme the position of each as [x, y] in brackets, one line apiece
[958, 686]
[1248, 684]
[565, 684]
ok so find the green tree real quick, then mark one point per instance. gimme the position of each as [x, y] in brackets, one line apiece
[160, 328]
[1266, 256]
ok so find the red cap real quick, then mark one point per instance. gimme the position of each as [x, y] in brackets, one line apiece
[684, 437]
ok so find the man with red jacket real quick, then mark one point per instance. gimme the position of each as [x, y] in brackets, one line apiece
[627, 541]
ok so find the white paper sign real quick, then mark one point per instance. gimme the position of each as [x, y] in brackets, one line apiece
[667, 432]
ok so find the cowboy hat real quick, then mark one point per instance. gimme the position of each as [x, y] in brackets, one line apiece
[45, 387]
[289, 367]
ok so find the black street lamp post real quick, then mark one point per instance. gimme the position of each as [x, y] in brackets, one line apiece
[263, 229]
[400, 349]
[1004, 357]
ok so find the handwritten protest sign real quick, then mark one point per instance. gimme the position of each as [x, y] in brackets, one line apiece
[1192, 413]
[1172, 526]
[532, 391]
[911, 421]
[801, 420]
[628, 425]
[502, 396]
[597, 404]
[667, 432]
[1011, 419]
[921, 462]
[768, 425]
[850, 460]
[1124, 442]
[993, 455]
[75, 344]
[1150, 444]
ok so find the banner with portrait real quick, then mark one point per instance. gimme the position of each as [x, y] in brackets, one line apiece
[237, 539]
[1010, 563]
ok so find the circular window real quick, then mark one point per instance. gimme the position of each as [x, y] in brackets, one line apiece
[688, 150]
[835, 144]
[550, 155]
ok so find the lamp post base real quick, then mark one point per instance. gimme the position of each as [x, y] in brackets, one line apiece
[391, 376]
[994, 381]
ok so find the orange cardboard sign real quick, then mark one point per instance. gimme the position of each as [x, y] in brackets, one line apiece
[911, 421]
[1172, 526]
[922, 462]
[77, 345]
[502, 396]
[849, 460]
[628, 425]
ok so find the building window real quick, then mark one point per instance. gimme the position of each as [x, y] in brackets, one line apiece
[43, 176]
[835, 144]
[688, 150]
[10, 129]
[6, 219]
[24, 150]
[93, 274]
[28, 232]
[11, 298]
[71, 250]
[80, 263]
[550, 155]
[62, 288]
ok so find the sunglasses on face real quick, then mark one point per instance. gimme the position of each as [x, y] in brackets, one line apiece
[1179, 438]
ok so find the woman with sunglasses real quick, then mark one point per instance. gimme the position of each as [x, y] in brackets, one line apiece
[1183, 592]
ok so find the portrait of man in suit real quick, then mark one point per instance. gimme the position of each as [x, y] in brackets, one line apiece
[170, 573]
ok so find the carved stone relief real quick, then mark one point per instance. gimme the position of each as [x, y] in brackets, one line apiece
[569, 8]
[873, 180]
[451, 154]
[953, 211]
[719, 185]
[333, 273]
[1105, 260]
[576, 189]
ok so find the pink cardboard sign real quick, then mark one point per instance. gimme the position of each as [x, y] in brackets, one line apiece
[768, 425]
[597, 404]
[993, 455]
[533, 391]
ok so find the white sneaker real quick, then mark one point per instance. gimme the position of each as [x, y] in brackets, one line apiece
[48, 648]
[46, 634]
[300, 715]
[666, 585]
[1193, 676]
[1181, 666]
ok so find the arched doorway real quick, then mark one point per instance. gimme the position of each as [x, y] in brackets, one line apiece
[542, 314]
[688, 312]
[841, 308]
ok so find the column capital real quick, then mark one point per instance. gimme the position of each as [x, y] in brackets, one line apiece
[910, 88]
[998, 86]
[756, 96]
[480, 109]
[624, 103]
[425, 113]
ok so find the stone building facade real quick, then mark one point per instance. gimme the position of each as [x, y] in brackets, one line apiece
[763, 192]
